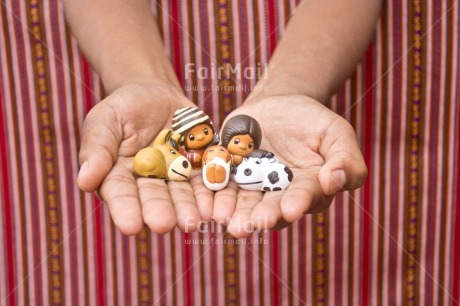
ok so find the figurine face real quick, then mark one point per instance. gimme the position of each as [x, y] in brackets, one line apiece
[241, 145]
[198, 137]
[195, 128]
[239, 132]
[162, 159]
[216, 152]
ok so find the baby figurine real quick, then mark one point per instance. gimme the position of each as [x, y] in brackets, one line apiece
[196, 133]
[241, 135]
[216, 167]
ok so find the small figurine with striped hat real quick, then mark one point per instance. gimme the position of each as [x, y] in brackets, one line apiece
[197, 133]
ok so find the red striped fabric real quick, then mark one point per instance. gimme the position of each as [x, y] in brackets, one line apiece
[395, 241]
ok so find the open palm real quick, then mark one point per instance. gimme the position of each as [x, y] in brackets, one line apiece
[319, 146]
[113, 132]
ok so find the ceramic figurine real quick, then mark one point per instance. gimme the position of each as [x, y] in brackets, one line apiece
[162, 159]
[196, 133]
[241, 135]
[216, 167]
[262, 171]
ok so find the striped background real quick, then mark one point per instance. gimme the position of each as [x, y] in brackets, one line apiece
[396, 241]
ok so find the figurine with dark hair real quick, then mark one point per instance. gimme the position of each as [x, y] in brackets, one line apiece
[196, 133]
[241, 135]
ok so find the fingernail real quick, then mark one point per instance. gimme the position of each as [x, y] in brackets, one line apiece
[338, 179]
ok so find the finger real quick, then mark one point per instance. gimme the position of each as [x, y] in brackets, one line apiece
[119, 191]
[183, 198]
[241, 224]
[304, 195]
[266, 214]
[157, 208]
[203, 196]
[225, 203]
[99, 147]
[344, 167]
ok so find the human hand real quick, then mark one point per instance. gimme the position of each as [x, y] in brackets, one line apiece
[319, 146]
[113, 132]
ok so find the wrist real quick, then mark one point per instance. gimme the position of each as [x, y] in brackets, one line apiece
[279, 81]
[114, 77]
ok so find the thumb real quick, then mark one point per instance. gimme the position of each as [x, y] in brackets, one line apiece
[344, 167]
[99, 147]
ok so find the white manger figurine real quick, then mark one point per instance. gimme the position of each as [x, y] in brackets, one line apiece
[216, 167]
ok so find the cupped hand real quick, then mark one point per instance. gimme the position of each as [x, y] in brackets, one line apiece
[318, 145]
[113, 132]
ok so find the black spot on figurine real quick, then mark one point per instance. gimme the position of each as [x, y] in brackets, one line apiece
[277, 189]
[267, 189]
[273, 177]
[289, 173]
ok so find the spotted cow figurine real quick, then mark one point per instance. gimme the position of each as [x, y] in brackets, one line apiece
[162, 159]
[262, 171]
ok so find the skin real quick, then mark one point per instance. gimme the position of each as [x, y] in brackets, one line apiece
[323, 42]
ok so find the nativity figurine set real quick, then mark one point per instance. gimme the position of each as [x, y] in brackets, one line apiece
[193, 144]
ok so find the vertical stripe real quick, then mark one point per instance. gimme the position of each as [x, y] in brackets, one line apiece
[455, 268]
[380, 222]
[41, 71]
[275, 269]
[176, 254]
[272, 28]
[144, 275]
[414, 151]
[367, 189]
[87, 230]
[77, 244]
[10, 297]
[456, 235]
[99, 253]
[231, 270]
[262, 285]
[320, 258]
[7, 290]
[188, 270]
[210, 59]
[302, 261]
[20, 94]
[291, 267]
[224, 58]
[177, 39]
[189, 52]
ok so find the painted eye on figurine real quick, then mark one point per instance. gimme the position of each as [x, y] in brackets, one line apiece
[258, 162]
[206, 132]
[172, 152]
[191, 137]
[250, 145]
[236, 141]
